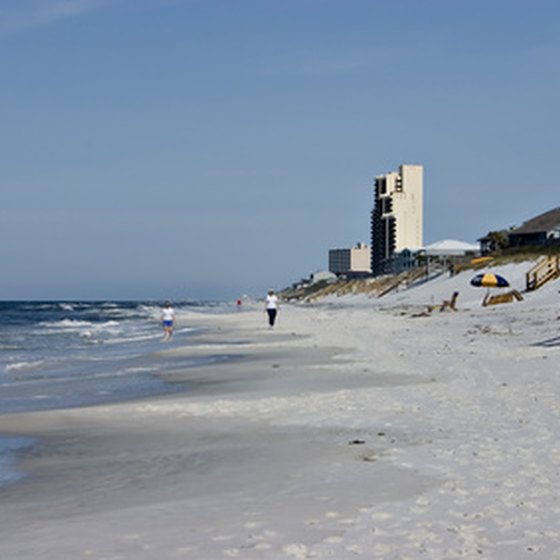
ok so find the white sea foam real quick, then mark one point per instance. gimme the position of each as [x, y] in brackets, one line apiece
[91, 331]
[77, 325]
[141, 369]
[25, 366]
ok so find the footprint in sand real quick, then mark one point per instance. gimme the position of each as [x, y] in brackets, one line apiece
[263, 546]
[252, 524]
[298, 551]
[333, 540]
[222, 538]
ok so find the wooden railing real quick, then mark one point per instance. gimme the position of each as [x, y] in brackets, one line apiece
[404, 278]
[546, 269]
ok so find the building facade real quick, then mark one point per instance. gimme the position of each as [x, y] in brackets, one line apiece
[541, 231]
[351, 262]
[397, 217]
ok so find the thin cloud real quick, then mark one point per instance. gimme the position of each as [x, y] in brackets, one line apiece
[17, 15]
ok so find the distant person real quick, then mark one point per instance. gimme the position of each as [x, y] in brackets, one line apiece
[239, 304]
[167, 320]
[271, 305]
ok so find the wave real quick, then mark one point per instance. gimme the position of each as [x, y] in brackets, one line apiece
[84, 328]
[19, 366]
[76, 323]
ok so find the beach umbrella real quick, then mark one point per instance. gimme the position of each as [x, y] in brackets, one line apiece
[489, 280]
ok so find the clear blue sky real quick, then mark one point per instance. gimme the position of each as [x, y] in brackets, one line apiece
[207, 148]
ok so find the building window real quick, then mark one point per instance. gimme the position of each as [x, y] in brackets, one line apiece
[387, 205]
[381, 185]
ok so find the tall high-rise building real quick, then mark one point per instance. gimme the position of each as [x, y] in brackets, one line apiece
[396, 219]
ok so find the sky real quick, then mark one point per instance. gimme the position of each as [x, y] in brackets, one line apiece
[206, 149]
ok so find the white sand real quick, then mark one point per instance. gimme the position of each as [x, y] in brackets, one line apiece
[355, 428]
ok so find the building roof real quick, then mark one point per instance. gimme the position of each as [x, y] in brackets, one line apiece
[543, 223]
[450, 247]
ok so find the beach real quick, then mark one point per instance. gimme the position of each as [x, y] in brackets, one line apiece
[354, 428]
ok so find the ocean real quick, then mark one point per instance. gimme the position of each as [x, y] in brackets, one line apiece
[70, 354]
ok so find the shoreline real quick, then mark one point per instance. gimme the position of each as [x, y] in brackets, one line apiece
[343, 431]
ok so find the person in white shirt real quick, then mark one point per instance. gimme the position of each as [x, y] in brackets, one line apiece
[271, 306]
[167, 320]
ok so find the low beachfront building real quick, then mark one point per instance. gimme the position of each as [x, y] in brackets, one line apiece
[402, 261]
[353, 262]
[448, 254]
[322, 276]
[541, 231]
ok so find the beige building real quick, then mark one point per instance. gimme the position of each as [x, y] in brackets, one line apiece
[397, 216]
[355, 261]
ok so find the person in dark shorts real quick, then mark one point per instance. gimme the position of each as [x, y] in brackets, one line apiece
[272, 306]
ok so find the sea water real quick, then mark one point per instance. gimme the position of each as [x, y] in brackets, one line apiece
[69, 354]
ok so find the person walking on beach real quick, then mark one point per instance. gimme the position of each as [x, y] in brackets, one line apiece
[167, 320]
[271, 306]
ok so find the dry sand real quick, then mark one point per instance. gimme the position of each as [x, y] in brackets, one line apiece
[352, 429]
